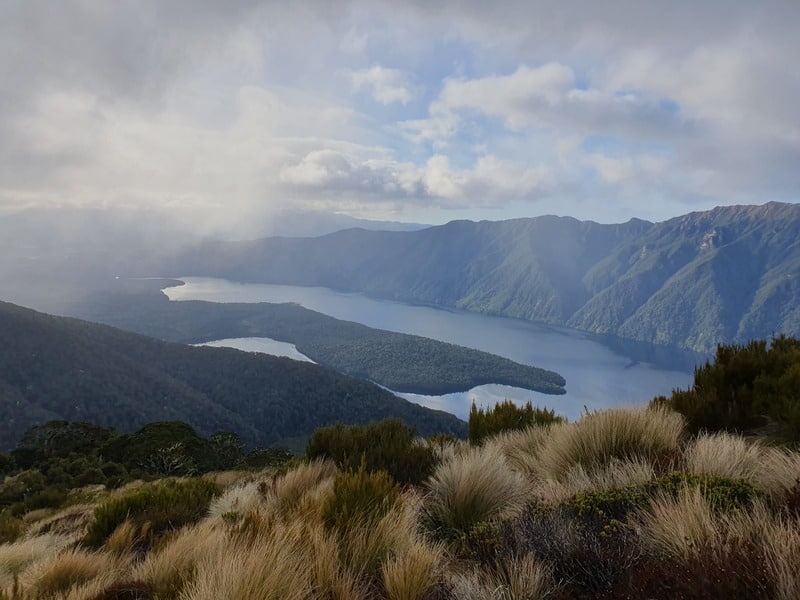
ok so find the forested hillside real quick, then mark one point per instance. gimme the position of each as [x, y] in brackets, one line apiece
[401, 362]
[62, 368]
[726, 275]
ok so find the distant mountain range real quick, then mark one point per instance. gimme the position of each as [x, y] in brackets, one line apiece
[725, 275]
[54, 368]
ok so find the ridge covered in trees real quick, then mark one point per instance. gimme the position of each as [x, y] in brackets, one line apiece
[398, 361]
[56, 368]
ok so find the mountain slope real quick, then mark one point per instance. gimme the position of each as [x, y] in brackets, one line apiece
[61, 368]
[725, 275]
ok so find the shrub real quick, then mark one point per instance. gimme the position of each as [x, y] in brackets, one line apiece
[359, 499]
[385, 446]
[589, 562]
[506, 416]
[742, 386]
[159, 506]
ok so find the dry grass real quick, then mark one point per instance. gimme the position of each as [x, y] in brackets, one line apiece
[476, 487]
[724, 455]
[623, 434]
[16, 557]
[779, 472]
[54, 578]
[70, 522]
[680, 526]
[363, 549]
[239, 499]
[170, 568]
[521, 447]
[410, 574]
[274, 566]
[614, 474]
[782, 545]
[517, 579]
[771, 470]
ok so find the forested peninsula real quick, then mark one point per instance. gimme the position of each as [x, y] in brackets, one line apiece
[398, 361]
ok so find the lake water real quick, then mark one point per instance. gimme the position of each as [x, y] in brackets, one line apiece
[600, 373]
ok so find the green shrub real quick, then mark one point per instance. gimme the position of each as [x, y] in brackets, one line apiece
[616, 504]
[385, 446]
[156, 507]
[744, 388]
[359, 498]
[506, 416]
[10, 527]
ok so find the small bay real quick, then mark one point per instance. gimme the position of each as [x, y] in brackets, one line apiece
[600, 373]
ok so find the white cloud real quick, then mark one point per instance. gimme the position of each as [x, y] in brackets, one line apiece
[245, 106]
[387, 86]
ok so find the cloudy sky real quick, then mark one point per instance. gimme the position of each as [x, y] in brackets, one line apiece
[415, 111]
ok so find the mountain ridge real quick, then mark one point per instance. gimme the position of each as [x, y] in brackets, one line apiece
[720, 276]
[60, 368]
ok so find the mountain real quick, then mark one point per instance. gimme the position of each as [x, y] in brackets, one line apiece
[720, 276]
[62, 368]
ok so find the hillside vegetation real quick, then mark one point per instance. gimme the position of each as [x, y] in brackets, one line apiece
[54, 368]
[398, 361]
[726, 275]
[623, 503]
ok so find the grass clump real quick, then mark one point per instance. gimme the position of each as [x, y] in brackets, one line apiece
[473, 488]
[598, 438]
[152, 509]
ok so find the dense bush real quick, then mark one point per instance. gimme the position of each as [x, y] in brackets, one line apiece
[744, 388]
[385, 446]
[153, 508]
[359, 498]
[506, 416]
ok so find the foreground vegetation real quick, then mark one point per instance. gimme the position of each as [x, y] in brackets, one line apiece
[622, 504]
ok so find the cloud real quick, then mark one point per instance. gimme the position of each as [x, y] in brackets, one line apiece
[587, 108]
[387, 86]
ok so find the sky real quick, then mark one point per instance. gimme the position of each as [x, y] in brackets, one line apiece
[429, 111]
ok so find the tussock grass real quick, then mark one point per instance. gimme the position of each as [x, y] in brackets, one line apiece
[774, 471]
[779, 473]
[725, 455]
[71, 522]
[363, 549]
[300, 489]
[517, 579]
[613, 475]
[521, 447]
[274, 566]
[16, 557]
[680, 526]
[623, 434]
[239, 499]
[171, 567]
[474, 488]
[412, 573]
[68, 570]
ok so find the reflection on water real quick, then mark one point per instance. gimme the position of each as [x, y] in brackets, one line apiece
[260, 344]
[601, 372]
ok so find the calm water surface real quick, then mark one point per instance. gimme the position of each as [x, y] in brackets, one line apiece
[599, 373]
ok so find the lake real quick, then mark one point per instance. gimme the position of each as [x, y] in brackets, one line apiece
[600, 372]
